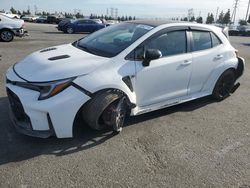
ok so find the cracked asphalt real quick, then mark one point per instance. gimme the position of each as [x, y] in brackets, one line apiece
[197, 144]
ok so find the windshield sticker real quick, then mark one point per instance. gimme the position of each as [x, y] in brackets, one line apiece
[146, 27]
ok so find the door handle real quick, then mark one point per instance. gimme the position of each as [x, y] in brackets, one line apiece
[186, 62]
[218, 57]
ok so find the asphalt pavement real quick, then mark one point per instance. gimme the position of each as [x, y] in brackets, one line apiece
[202, 143]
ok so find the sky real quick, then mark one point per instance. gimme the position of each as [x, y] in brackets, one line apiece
[138, 8]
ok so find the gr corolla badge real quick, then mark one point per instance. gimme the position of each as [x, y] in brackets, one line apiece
[134, 67]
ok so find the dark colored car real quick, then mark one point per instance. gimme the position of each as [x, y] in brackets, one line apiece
[74, 26]
[54, 19]
[41, 19]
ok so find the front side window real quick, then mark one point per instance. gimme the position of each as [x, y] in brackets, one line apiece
[171, 43]
[201, 40]
[112, 40]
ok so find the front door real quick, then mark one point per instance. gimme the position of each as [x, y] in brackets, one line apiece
[168, 77]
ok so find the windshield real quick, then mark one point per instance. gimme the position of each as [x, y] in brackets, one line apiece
[112, 40]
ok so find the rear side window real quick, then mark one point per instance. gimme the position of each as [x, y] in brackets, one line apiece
[201, 40]
[215, 40]
[171, 43]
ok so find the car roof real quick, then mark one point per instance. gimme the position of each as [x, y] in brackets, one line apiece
[157, 23]
[154, 23]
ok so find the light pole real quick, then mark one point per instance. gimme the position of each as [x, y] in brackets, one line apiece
[247, 10]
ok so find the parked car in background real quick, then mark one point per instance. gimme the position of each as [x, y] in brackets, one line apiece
[127, 69]
[54, 18]
[233, 30]
[241, 30]
[98, 21]
[244, 30]
[111, 22]
[29, 18]
[9, 14]
[10, 27]
[42, 19]
[81, 25]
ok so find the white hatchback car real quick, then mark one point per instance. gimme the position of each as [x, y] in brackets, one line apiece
[129, 68]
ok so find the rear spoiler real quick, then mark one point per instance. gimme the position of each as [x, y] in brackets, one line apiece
[225, 31]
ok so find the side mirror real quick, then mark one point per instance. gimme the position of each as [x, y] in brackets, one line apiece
[151, 54]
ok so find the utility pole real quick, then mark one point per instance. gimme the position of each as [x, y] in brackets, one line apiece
[190, 14]
[112, 12]
[116, 13]
[235, 6]
[217, 12]
[36, 9]
[107, 12]
[247, 10]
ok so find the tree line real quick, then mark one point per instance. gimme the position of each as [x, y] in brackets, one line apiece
[77, 15]
[224, 19]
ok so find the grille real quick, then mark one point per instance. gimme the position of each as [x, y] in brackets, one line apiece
[17, 109]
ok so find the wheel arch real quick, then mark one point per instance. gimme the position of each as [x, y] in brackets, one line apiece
[78, 116]
[7, 29]
[217, 72]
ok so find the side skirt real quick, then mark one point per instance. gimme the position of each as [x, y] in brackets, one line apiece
[142, 110]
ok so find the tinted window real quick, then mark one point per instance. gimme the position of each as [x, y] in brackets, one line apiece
[202, 40]
[216, 41]
[171, 43]
[82, 21]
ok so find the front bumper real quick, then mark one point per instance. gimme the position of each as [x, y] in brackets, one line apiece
[53, 116]
[21, 120]
[20, 32]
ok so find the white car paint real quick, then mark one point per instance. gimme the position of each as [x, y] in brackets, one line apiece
[10, 23]
[166, 82]
[10, 14]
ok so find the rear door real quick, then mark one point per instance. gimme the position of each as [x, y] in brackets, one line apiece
[207, 54]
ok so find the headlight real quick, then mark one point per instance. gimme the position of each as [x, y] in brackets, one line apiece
[47, 89]
[50, 89]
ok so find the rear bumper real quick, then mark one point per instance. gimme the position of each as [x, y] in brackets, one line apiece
[240, 67]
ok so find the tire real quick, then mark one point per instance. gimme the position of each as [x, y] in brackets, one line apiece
[6, 35]
[224, 85]
[102, 111]
[70, 30]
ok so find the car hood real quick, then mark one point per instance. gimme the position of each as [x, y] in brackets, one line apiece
[57, 63]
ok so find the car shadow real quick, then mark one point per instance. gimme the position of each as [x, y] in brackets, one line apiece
[16, 147]
[55, 32]
[246, 44]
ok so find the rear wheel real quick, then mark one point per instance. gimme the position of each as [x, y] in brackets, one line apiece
[224, 85]
[6, 35]
[70, 30]
[106, 110]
